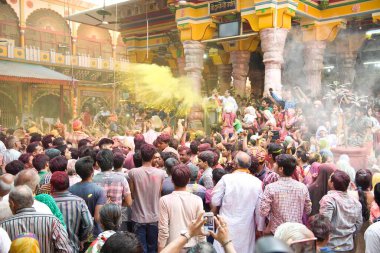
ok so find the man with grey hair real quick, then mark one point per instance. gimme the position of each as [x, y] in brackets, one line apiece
[6, 183]
[51, 235]
[31, 179]
[231, 194]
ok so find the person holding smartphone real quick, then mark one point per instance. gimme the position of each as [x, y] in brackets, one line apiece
[196, 228]
[178, 209]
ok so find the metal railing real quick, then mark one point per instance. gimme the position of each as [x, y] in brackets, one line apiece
[35, 55]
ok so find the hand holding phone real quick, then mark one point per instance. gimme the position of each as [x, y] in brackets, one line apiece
[209, 225]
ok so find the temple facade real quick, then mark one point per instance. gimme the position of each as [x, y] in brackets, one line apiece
[248, 45]
[51, 67]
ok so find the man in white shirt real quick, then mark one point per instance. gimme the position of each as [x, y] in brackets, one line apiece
[232, 194]
[12, 153]
[372, 238]
[5, 242]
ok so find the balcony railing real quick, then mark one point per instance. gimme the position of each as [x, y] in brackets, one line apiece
[35, 55]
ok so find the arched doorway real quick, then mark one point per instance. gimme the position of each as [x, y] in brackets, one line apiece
[8, 111]
[94, 104]
[47, 30]
[48, 106]
[9, 24]
[94, 41]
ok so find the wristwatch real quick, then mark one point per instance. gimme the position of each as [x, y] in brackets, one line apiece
[186, 234]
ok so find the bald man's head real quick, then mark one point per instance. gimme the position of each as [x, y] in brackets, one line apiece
[7, 178]
[242, 160]
[29, 178]
[6, 182]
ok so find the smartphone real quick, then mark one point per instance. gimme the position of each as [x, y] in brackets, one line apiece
[209, 222]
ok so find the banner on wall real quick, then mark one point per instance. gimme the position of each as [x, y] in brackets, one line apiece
[222, 6]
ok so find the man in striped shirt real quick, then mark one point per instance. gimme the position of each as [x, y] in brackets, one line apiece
[52, 236]
[74, 210]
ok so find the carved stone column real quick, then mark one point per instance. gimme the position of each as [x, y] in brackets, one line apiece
[313, 55]
[224, 77]
[349, 71]
[181, 63]
[272, 44]
[240, 67]
[194, 51]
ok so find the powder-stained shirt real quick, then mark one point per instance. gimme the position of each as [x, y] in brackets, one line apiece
[206, 179]
[177, 210]
[93, 195]
[52, 236]
[345, 214]
[147, 182]
[77, 217]
[10, 155]
[285, 201]
[115, 185]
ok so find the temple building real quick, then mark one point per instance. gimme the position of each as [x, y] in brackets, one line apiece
[51, 67]
[266, 41]
[219, 44]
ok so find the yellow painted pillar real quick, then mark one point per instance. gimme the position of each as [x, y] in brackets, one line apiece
[273, 22]
[22, 37]
[191, 36]
[315, 37]
[192, 33]
[22, 23]
[376, 17]
[74, 41]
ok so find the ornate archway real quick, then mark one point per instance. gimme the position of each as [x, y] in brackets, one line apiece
[8, 110]
[9, 24]
[47, 30]
[47, 105]
[94, 41]
[94, 104]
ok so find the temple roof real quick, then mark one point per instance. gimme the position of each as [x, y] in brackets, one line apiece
[130, 17]
[30, 73]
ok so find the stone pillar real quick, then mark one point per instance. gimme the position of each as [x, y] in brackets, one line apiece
[224, 77]
[240, 68]
[194, 51]
[22, 37]
[272, 44]
[313, 55]
[114, 52]
[74, 45]
[181, 63]
[256, 76]
[349, 71]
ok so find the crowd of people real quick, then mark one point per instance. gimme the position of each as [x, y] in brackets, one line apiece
[266, 175]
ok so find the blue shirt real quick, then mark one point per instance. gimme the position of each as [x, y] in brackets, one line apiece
[93, 195]
[286, 103]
